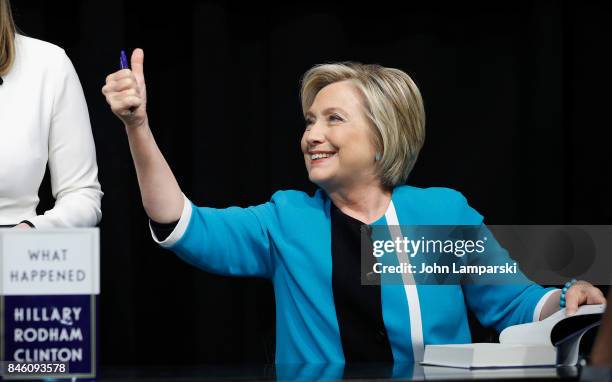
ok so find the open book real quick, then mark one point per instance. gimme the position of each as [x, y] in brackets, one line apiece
[552, 341]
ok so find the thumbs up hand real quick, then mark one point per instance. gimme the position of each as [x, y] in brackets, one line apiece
[126, 92]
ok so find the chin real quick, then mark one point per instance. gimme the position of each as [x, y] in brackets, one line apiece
[318, 178]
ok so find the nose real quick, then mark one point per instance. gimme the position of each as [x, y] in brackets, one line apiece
[316, 134]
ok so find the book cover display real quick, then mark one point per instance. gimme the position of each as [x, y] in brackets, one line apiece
[49, 282]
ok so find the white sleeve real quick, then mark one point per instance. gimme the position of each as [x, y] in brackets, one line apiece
[180, 227]
[538, 308]
[72, 156]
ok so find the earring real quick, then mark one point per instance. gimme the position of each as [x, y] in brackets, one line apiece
[377, 157]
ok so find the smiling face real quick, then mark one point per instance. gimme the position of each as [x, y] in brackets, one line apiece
[338, 142]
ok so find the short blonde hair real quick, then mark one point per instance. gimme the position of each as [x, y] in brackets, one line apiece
[393, 104]
[7, 37]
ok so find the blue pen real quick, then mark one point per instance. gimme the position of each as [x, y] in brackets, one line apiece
[123, 62]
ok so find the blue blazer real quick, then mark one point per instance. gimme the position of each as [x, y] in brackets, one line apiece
[288, 240]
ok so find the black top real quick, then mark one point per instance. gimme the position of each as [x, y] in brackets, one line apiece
[163, 230]
[358, 307]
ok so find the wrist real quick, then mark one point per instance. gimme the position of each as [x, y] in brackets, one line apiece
[566, 287]
[136, 126]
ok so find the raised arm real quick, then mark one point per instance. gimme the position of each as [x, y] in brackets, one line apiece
[126, 93]
[230, 241]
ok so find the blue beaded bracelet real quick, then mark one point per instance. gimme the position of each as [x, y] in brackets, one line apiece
[564, 291]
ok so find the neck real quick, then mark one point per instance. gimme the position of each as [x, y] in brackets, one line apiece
[366, 203]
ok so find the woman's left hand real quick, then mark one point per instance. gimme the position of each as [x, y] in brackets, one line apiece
[581, 293]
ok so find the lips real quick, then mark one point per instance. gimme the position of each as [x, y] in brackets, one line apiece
[321, 156]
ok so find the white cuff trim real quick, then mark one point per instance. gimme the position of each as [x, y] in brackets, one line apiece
[180, 228]
[540, 305]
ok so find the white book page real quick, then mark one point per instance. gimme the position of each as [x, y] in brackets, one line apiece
[538, 333]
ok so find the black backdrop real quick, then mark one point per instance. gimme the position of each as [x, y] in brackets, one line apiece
[517, 96]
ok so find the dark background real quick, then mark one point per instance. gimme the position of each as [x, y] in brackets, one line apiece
[517, 98]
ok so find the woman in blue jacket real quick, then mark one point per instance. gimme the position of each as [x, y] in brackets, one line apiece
[365, 125]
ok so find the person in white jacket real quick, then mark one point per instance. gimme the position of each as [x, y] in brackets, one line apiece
[43, 121]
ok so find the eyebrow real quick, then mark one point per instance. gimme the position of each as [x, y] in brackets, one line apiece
[327, 111]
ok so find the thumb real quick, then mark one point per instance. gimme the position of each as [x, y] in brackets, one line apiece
[138, 65]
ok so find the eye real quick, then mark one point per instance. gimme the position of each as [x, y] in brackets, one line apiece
[308, 122]
[336, 118]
